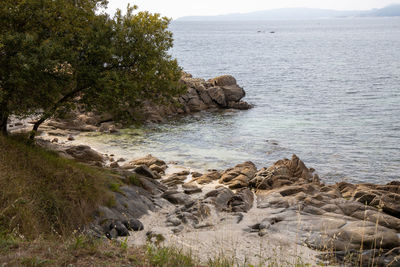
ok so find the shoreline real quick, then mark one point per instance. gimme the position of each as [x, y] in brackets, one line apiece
[285, 206]
[242, 208]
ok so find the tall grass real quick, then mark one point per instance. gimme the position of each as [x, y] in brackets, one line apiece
[44, 194]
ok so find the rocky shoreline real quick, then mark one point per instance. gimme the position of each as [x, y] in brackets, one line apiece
[221, 92]
[285, 205]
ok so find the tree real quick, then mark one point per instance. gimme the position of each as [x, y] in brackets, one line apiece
[53, 51]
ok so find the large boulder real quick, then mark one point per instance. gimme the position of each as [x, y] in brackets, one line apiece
[225, 199]
[152, 162]
[239, 176]
[233, 93]
[217, 94]
[207, 177]
[84, 154]
[283, 172]
[224, 80]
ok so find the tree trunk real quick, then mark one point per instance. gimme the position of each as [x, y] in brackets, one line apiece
[52, 110]
[4, 114]
[37, 124]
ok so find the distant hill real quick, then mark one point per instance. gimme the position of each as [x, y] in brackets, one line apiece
[389, 11]
[297, 13]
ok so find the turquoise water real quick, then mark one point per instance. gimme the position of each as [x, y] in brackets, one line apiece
[327, 90]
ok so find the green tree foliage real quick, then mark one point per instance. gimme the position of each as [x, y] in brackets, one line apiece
[54, 54]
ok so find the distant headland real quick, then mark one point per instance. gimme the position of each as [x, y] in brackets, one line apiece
[299, 13]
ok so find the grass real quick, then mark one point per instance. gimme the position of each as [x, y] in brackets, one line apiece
[85, 251]
[134, 180]
[169, 256]
[42, 194]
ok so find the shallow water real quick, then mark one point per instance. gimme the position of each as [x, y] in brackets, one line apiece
[327, 90]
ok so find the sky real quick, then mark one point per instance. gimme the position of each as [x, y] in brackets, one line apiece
[179, 8]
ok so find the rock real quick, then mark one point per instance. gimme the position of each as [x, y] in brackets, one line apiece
[283, 172]
[152, 186]
[224, 80]
[55, 140]
[239, 176]
[205, 97]
[233, 93]
[177, 229]
[191, 191]
[144, 170]
[176, 197]
[196, 174]
[173, 221]
[220, 92]
[225, 200]
[114, 165]
[207, 178]
[85, 154]
[189, 185]
[343, 218]
[184, 172]
[217, 94]
[242, 201]
[133, 224]
[148, 160]
[239, 105]
[71, 138]
[174, 179]
[240, 182]
[196, 104]
[121, 229]
[158, 169]
[391, 204]
[202, 225]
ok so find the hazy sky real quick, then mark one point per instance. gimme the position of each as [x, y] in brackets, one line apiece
[178, 8]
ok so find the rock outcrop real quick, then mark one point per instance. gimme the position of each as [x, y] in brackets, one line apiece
[355, 224]
[131, 202]
[220, 92]
[350, 223]
[149, 166]
[362, 220]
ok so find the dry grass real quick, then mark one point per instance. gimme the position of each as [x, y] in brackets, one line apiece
[42, 194]
[78, 251]
[84, 251]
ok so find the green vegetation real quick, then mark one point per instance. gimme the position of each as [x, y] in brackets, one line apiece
[42, 194]
[56, 54]
[134, 180]
[166, 256]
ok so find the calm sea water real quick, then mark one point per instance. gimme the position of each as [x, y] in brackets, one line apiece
[326, 90]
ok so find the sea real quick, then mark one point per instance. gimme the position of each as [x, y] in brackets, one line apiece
[327, 90]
